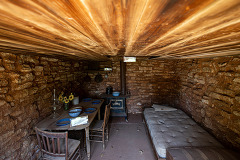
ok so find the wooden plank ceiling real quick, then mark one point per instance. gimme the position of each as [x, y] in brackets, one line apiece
[95, 29]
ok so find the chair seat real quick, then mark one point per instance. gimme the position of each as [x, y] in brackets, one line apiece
[97, 125]
[72, 147]
[98, 130]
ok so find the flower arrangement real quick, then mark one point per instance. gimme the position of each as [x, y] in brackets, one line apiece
[64, 98]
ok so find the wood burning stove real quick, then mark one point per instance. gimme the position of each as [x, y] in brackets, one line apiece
[118, 104]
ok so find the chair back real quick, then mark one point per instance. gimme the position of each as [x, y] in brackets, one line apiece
[106, 115]
[53, 143]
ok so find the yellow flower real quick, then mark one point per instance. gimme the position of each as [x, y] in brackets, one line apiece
[71, 97]
[66, 100]
[60, 98]
[63, 98]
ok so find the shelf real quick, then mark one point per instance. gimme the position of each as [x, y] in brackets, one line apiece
[104, 95]
[97, 66]
[95, 71]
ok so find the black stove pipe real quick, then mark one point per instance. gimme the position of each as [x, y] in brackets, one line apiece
[123, 77]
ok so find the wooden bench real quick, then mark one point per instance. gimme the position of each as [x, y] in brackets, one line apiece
[203, 153]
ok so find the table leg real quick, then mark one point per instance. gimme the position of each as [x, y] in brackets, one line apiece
[99, 115]
[87, 142]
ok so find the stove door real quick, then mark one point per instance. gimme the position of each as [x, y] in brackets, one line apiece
[117, 104]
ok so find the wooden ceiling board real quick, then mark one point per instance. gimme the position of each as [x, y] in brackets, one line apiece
[214, 39]
[164, 18]
[29, 42]
[207, 21]
[93, 29]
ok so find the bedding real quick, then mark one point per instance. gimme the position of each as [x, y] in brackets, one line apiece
[161, 108]
[175, 129]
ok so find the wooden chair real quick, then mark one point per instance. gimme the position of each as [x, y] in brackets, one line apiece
[99, 128]
[57, 145]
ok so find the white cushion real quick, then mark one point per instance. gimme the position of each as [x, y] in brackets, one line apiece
[158, 107]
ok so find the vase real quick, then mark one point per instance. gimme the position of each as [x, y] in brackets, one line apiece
[66, 106]
[75, 101]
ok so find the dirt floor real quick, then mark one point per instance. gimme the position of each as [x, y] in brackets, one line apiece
[127, 141]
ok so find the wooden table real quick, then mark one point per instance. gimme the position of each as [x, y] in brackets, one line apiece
[49, 123]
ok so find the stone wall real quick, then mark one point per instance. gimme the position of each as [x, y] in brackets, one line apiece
[26, 85]
[206, 89]
[209, 91]
[149, 81]
[95, 89]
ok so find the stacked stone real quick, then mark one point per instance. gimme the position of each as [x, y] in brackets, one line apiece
[26, 85]
[209, 91]
[112, 79]
[149, 81]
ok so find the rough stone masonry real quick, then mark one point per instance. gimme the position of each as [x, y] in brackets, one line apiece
[26, 85]
[207, 89]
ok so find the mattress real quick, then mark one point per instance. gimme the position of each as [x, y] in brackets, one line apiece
[176, 129]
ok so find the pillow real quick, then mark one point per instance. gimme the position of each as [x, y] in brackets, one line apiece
[158, 107]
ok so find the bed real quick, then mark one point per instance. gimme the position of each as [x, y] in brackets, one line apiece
[173, 128]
